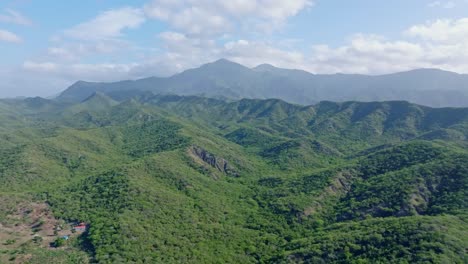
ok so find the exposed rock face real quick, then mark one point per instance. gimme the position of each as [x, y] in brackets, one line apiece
[218, 163]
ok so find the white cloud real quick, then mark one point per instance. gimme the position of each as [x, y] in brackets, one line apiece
[361, 53]
[205, 17]
[435, 44]
[64, 61]
[443, 4]
[201, 31]
[109, 24]
[198, 21]
[8, 36]
[367, 54]
[279, 9]
[432, 45]
[442, 30]
[175, 42]
[14, 17]
[252, 53]
[62, 53]
[41, 67]
[103, 34]
[180, 52]
[75, 51]
[186, 51]
[81, 71]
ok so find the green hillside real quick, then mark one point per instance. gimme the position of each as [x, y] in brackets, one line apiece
[187, 179]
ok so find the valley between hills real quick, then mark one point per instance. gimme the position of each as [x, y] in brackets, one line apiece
[164, 178]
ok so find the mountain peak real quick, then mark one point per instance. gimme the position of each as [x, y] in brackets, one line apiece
[80, 83]
[265, 67]
[232, 80]
[426, 71]
[224, 63]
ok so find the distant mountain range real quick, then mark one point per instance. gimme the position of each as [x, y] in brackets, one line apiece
[229, 80]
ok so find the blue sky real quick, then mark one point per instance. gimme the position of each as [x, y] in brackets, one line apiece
[47, 45]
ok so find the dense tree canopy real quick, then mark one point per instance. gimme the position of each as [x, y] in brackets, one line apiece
[329, 183]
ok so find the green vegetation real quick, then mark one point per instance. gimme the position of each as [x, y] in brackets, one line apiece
[388, 240]
[171, 179]
[59, 242]
[152, 137]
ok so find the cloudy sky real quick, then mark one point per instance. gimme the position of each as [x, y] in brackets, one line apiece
[47, 45]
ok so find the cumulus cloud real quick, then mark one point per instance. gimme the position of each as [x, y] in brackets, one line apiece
[281, 10]
[435, 44]
[109, 24]
[196, 20]
[442, 30]
[419, 47]
[103, 34]
[92, 72]
[175, 42]
[197, 33]
[252, 53]
[41, 67]
[187, 51]
[204, 17]
[14, 17]
[367, 54]
[202, 31]
[8, 36]
[75, 51]
[184, 53]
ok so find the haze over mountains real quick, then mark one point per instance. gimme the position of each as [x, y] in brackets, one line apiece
[229, 80]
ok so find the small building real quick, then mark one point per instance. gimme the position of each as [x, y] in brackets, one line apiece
[65, 237]
[80, 227]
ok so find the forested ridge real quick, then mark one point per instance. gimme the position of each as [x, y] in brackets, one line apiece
[188, 179]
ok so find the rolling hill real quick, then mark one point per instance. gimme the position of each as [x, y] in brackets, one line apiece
[192, 179]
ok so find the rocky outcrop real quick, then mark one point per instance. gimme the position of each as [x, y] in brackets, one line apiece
[213, 161]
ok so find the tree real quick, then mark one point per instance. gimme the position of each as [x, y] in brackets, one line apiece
[59, 242]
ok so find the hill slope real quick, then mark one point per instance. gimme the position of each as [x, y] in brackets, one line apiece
[186, 179]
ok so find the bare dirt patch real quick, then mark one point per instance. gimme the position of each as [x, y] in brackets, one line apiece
[30, 224]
